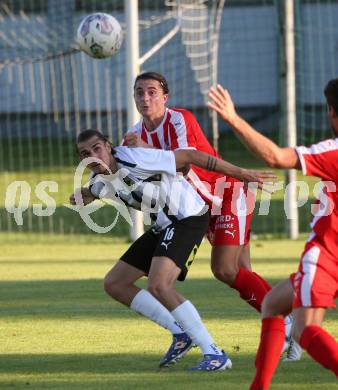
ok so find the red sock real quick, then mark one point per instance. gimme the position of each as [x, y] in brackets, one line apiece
[321, 346]
[265, 283]
[251, 287]
[269, 351]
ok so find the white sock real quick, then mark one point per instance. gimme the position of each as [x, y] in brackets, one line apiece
[189, 319]
[147, 305]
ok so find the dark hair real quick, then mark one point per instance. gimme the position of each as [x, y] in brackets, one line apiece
[331, 94]
[86, 134]
[154, 76]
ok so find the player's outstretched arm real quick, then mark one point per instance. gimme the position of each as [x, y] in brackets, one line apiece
[211, 163]
[258, 144]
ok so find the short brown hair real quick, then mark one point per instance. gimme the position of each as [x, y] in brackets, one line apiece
[154, 76]
[89, 133]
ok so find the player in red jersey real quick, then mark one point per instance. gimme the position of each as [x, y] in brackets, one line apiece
[231, 204]
[314, 288]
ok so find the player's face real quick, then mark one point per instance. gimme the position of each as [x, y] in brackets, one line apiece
[149, 98]
[95, 147]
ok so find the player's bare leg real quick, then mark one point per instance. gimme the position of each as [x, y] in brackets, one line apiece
[225, 262]
[119, 282]
[231, 265]
[319, 344]
[244, 259]
[161, 280]
[278, 301]
[162, 277]
[306, 316]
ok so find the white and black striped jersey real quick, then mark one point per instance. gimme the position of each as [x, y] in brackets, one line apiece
[147, 180]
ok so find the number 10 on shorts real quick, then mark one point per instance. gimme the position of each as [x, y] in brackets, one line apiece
[169, 234]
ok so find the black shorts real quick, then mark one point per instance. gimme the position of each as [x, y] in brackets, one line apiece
[179, 242]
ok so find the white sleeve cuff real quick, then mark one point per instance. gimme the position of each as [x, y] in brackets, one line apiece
[300, 151]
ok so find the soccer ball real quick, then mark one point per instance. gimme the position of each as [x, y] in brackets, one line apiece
[99, 35]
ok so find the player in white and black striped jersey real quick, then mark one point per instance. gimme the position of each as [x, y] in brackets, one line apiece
[149, 183]
[141, 178]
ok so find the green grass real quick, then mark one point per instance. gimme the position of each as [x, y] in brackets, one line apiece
[60, 331]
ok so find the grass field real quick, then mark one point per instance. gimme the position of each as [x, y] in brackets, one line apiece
[60, 331]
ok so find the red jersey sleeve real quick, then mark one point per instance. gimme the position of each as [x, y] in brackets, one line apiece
[320, 159]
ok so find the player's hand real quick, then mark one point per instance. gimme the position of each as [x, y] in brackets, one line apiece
[262, 178]
[185, 169]
[81, 197]
[133, 140]
[221, 102]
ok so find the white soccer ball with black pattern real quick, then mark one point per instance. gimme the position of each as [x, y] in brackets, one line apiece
[99, 35]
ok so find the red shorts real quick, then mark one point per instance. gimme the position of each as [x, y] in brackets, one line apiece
[316, 282]
[230, 224]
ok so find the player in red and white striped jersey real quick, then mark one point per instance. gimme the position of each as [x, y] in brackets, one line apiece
[231, 203]
[314, 287]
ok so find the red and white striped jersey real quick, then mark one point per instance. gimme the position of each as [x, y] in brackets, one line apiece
[321, 160]
[179, 129]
